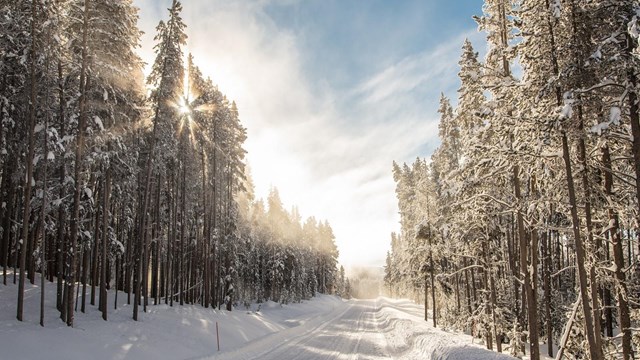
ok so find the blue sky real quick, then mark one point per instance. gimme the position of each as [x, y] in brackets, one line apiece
[344, 41]
[331, 91]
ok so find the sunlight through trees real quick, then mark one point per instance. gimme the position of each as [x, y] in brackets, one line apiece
[105, 188]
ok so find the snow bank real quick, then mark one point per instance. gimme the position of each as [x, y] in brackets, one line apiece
[164, 332]
[410, 337]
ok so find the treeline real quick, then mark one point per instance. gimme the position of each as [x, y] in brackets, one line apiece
[283, 258]
[104, 186]
[523, 225]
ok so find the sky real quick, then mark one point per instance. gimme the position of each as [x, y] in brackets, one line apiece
[331, 93]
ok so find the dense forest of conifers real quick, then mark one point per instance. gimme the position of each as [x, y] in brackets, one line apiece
[522, 227]
[108, 187]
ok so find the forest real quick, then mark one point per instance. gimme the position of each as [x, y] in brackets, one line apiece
[522, 226]
[110, 182]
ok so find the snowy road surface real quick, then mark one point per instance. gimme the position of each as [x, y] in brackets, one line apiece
[345, 333]
[364, 329]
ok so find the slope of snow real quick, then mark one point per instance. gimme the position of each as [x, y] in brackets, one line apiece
[420, 340]
[324, 328]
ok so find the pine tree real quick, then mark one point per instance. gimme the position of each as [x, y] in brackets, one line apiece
[167, 75]
[28, 181]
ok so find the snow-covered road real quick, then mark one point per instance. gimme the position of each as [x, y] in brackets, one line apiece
[351, 333]
[363, 329]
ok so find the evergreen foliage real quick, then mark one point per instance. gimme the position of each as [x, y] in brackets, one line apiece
[523, 215]
[105, 188]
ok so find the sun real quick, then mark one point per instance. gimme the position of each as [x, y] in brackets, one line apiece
[183, 106]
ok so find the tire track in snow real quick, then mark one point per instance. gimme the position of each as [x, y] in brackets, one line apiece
[346, 337]
[261, 348]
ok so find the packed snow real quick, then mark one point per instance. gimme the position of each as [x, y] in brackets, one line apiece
[325, 327]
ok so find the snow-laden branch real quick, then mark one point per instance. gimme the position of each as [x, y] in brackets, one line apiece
[601, 85]
[618, 175]
[562, 270]
[461, 270]
[567, 329]
[490, 197]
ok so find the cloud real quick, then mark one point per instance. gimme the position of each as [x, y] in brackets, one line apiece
[329, 151]
[410, 74]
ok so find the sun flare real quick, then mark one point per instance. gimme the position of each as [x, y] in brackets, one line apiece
[183, 106]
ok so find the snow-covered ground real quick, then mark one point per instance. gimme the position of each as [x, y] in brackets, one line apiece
[325, 327]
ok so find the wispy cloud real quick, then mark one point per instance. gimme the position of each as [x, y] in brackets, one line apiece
[406, 77]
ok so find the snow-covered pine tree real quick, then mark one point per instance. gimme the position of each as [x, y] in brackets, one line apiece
[572, 36]
[31, 42]
[612, 96]
[167, 76]
[80, 50]
[29, 120]
[537, 104]
[498, 22]
[474, 211]
[114, 107]
[445, 164]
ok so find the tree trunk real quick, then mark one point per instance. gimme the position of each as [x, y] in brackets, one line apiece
[155, 245]
[126, 286]
[606, 296]
[170, 240]
[29, 162]
[136, 275]
[594, 350]
[106, 192]
[494, 304]
[527, 272]
[205, 235]
[487, 299]
[426, 296]
[3, 183]
[31, 246]
[597, 315]
[618, 256]
[183, 230]
[6, 220]
[145, 257]
[118, 276]
[43, 245]
[457, 290]
[467, 287]
[513, 265]
[94, 252]
[91, 251]
[434, 314]
[78, 168]
[61, 215]
[634, 118]
[86, 254]
[546, 270]
[173, 262]
[621, 288]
